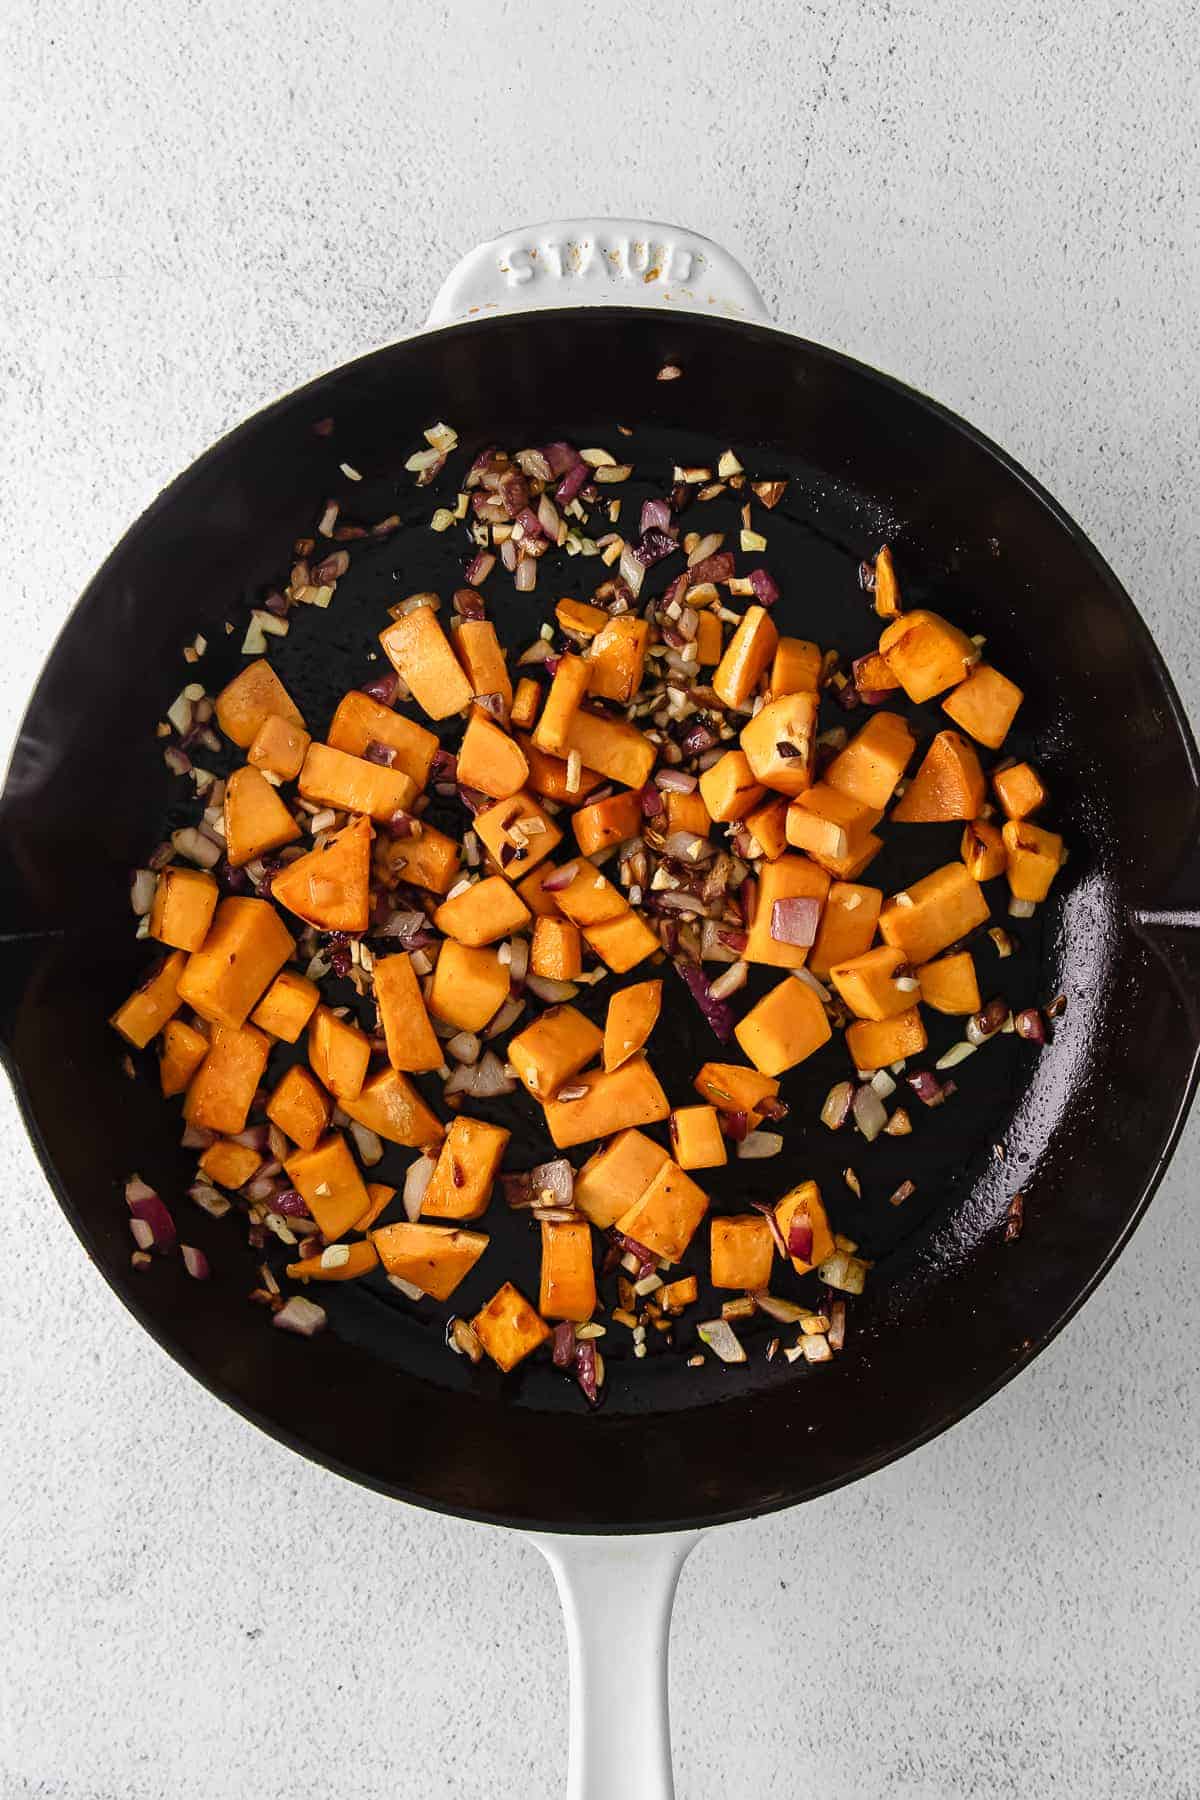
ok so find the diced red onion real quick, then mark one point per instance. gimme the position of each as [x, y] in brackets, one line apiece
[195, 1262]
[505, 1016]
[676, 781]
[464, 1046]
[563, 1348]
[587, 1370]
[870, 1114]
[531, 525]
[656, 516]
[698, 738]
[556, 1178]
[479, 567]
[416, 1181]
[383, 754]
[719, 1016]
[197, 847]
[209, 1199]
[794, 921]
[571, 483]
[652, 546]
[928, 1089]
[766, 588]
[800, 1237]
[302, 1316]
[1030, 1025]
[509, 551]
[197, 1137]
[984, 1025]
[734, 1125]
[145, 1204]
[645, 1259]
[560, 879]
[652, 805]
[714, 569]
[768, 1212]
[562, 458]
[142, 1233]
[525, 578]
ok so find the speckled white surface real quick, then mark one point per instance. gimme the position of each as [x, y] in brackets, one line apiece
[203, 205]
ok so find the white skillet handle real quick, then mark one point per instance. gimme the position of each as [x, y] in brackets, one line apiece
[617, 1594]
[597, 262]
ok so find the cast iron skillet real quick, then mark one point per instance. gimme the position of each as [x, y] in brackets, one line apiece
[952, 1310]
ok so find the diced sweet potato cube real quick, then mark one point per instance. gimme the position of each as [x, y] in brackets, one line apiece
[469, 986]
[435, 1258]
[622, 943]
[553, 1049]
[489, 761]
[590, 898]
[614, 749]
[796, 668]
[747, 657]
[556, 953]
[743, 1252]
[250, 699]
[982, 850]
[874, 1043]
[927, 654]
[361, 721]
[873, 984]
[412, 1043]
[632, 1015]
[381, 1197]
[803, 1208]
[617, 658]
[229, 1164]
[948, 785]
[668, 1215]
[330, 887]
[729, 789]
[829, 823]
[933, 913]
[616, 1176]
[857, 858]
[338, 1053]
[873, 761]
[360, 1260]
[785, 1027]
[300, 1107]
[256, 820]
[631, 1095]
[567, 689]
[1034, 859]
[788, 878]
[482, 913]
[417, 649]
[985, 705]
[482, 656]
[327, 1179]
[873, 677]
[526, 704]
[429, 861]
[568, 1284]
[580, 620]
[779, 743]
[541, 904]
[224, 1086]
[352, 784]
[607, 822]
[461, 1184]
[247, 945]
[847, 928]
[279, 747]
[697, 1141]
[887, 588]
[184, 903]
[950, 985]
[182, 1051]
[708, 639]
[287, 1006]
[548, 775]
[673, 1296]
[767, 825]
[508, 1328]
[731, 1088]
[517, 833]
[686, 812]
[1019, 789]
[389, 1105]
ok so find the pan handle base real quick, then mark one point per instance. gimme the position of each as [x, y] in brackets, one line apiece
[617, 1594]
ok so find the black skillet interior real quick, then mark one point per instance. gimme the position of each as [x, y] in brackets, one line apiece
[951, 1308]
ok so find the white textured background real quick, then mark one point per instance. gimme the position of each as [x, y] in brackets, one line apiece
[200, 207]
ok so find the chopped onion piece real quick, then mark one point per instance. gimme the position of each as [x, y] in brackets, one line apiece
[883, 1084]
[464, 1046]
[720, 1337]
[1030, 1025]
[554, 993]
[870, 1116]
[1021, 909]
[955, 1054]
[302, 1316]
[141, 891]
[838, 1105]
[416, 1181]
[844, 1272]
[367, 1143]
[810, 981]
[784, 1312]
[795, 921]
[759, 1144]
[196, 847]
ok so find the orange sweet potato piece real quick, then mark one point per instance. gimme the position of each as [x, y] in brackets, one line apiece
[182, 1051]
[557, 949]
[743, 1252]
[874, 1043]
[361, 721]
[287, 1006]
[767, 825]
[686, 812]
[614, 749]
[489, 760]
[532, 890]
[389, 1105]
[803, 1207]
[526, 703]
[461, 1184]
[469, 986]
[435, 1258]
[482, 913]
[338, 1053]
[847, 928]
[223, 1087]
[708, 639]
[590, 898]
[250, 699]
[747, 657]
[870, 984]
[1034, 859]
[779, 743]
[279, 746]
[674, 1296]
[732, 1088]
[950, 985]
[300, 1107]
[616, 1176]
[607, 822]
[330, 887]
[381, 1197]
[982, 850]
[579, 620]
[796, 668]
[873, 761]
[417, 649]
[631, 1095]
[927, 654]
[256, 820]
[617, 658]
[360, 1260]
[730, 788]
[789, 877]
[229, 1164]
[948, 785]
[482, 656]
[828, 823]
[1019, 789]
[247, 945]
[548, 775]
[785, 1027]
[567, 689]
[328, 1180]
[632, 1015]
[932, 914]
[351, 784]
[184, 903]
[412, 1043]
[887, 588]
[622, 943]
[873, 676]
[697, 1141]
[508, 1328]
[985, 705]
[668, 1215]
[517, 833]
[430, 861]
[856, 859]
[568, 1283]
[553, 1049]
